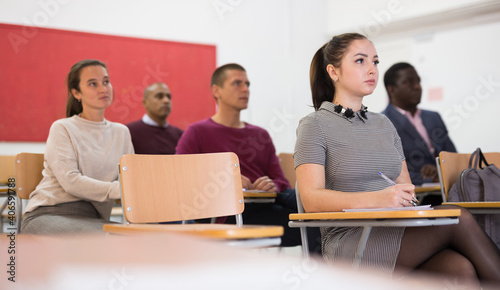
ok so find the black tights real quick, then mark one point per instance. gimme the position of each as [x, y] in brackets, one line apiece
[462, 250]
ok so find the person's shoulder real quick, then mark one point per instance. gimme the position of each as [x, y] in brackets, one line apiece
[380, 116]
[118, 126]
[393, 116]
[202, 123]
[202, 126]
[135, 124]
[387, 110]
[63, 123]
[433, 117]
[312, 117]
[256, 130]
[68, 124]
[429, 112]
[249, 126]
[175, 129]
[380, 120]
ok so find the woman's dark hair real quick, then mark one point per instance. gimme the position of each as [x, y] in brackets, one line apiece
[322, 87]
[73, 106]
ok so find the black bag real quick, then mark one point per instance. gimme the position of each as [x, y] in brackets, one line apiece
[480, 182]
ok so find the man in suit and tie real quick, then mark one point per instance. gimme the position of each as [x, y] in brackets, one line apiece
[423, 133]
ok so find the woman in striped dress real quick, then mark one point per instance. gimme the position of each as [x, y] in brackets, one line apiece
[340, 149]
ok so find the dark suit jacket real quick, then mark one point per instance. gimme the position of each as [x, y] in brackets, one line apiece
[416, 151]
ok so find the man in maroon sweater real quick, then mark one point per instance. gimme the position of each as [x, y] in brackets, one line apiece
[260, 168]
[152, 134]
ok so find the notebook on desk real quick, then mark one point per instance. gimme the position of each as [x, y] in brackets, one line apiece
[253, 190]
[419, 207]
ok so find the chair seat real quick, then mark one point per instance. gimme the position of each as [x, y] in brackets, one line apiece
[213, 231]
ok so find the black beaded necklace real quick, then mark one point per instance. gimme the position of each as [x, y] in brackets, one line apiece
[349, 113]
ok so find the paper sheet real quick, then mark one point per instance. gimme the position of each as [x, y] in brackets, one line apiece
[420, 207]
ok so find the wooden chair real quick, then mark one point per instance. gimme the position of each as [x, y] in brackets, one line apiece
[7, 168]
[167, 188]
[7, 172]
[368, 220]
[450, 165]
[29, 168]
[288, 167]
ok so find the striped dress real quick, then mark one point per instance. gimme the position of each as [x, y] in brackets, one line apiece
[353, 151]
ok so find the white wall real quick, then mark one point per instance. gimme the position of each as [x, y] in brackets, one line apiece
[275, 41]
[451, 46]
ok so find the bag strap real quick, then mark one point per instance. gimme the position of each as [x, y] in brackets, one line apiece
[482, 161]
[479, 160]
[475, 157]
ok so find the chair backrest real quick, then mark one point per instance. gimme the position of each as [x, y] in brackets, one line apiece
[288, 167]
[163, 188]
[7, 168]
[29, 168]
[451, 164]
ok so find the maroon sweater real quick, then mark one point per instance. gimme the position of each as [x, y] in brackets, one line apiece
[252, 144]
[154, 140]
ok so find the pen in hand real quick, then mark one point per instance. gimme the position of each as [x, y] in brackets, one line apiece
[413, 202]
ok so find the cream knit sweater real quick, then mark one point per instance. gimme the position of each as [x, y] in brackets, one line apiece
[81, 163]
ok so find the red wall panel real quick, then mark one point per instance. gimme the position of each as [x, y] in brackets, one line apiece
[34, 63]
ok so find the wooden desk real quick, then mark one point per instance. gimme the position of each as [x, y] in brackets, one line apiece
[255, 196]
[424, 189]
[370, 219]
[158, 261]
[365, 216]
[212, 231]
[479, 207]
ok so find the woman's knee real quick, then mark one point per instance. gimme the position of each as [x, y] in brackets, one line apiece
[451, 263]
[464, 268]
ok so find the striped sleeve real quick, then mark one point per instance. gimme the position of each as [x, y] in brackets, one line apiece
[310, 146]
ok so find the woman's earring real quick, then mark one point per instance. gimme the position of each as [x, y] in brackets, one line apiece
[335, 79]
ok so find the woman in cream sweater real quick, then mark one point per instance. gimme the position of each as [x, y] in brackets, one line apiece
[80, 176]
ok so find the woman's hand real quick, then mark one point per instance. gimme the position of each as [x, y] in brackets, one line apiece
[398, 195]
